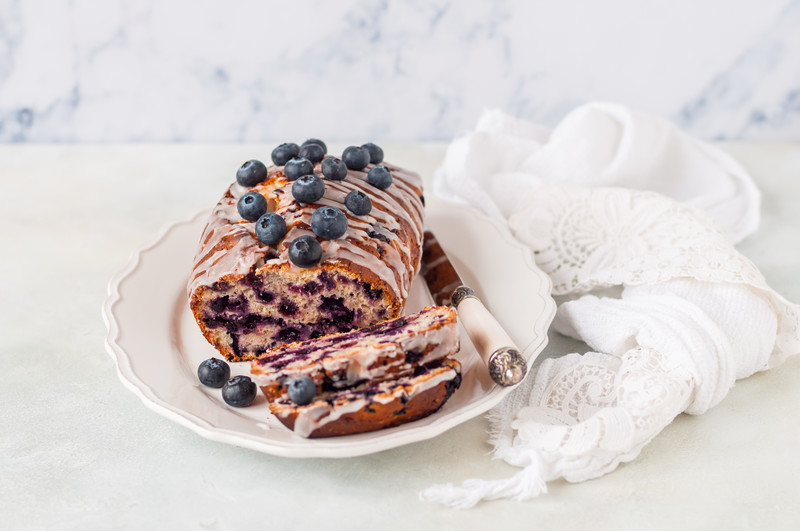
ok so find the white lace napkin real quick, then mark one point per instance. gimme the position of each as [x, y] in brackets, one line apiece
[650, 282]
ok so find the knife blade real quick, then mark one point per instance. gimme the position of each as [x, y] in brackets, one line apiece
[504, 361]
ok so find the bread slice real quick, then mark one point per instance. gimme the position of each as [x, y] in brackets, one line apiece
[366, 379]
[372, 406]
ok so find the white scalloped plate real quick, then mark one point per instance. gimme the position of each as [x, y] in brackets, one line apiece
[157, 345]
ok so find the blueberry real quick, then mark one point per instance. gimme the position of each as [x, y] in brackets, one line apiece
[379, 177]
[270, 228]
[308, 189]
[284, 153]
[312, 152]
[334, 169]
[213, 372]
[297, 168]
[358, 203]
[302, 390]
[251, 173]
[329, 222]
[251, 206]
[239, 391]
[316, 141]
[375, 153]
[305, 251]
[355, 158]
[422, 199]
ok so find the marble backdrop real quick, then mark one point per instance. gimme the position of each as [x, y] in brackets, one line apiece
[183, 70]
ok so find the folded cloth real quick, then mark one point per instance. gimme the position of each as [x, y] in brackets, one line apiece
[601, 144]
[691, 315]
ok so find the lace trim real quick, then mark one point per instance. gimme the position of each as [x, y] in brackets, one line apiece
[589, 413]
[591, 238]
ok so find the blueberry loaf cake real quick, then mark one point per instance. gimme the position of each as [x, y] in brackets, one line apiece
[363, 380]
[309, 246]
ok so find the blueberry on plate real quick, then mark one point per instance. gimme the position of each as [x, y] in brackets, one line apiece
[316, 141]
[251, 206]
[270, 228]
[213, 372]
[334, 169]
[312, 152]
[375, 153]
[305, 251]
[355, 158]
[284, 153]
[239, 391]
[358, 203]
[251, 173]
[379, 177]
[302, 390]
[329, 222]
[308, 189]
[297, 168]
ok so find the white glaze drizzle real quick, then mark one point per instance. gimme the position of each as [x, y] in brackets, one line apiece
[244, 250]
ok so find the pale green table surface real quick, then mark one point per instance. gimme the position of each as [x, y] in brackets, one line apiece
[79, 451]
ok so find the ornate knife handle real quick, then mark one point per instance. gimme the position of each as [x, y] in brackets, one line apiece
[506, 364]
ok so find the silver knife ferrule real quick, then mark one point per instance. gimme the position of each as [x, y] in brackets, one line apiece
[461, 293]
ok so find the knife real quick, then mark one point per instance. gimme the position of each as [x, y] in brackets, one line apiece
[506, 365]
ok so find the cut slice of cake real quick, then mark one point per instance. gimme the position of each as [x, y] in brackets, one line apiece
[372, 406]
[365, 379]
